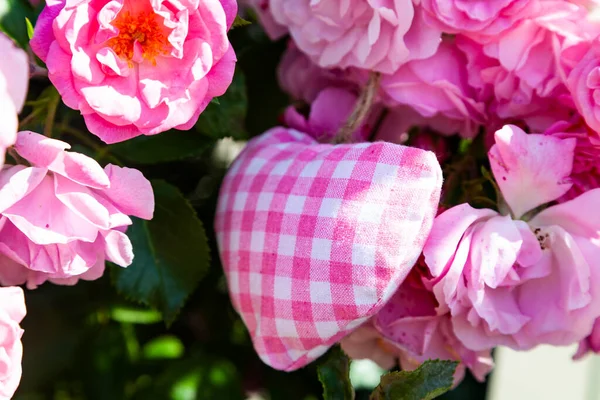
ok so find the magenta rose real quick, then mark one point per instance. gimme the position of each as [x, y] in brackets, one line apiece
[14, 77]
[358, 33]
[64, 215]
[12, 312]
[137, 67]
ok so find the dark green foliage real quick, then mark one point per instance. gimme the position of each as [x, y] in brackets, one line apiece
[334, 374]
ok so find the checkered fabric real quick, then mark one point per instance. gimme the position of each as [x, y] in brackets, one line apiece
[315, 238]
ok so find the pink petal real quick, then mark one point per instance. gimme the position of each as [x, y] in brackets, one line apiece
[118, 248]
[579, 216]
[13, 302]
[81, 201]
[16, 182]
[530, 170]
[130, 191]
[39, 150]
[45, 220]
[448, 230]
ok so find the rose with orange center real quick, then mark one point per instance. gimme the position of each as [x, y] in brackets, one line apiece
[137, 67]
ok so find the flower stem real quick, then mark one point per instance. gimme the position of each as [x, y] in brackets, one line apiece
[52, 108]
[361, 110]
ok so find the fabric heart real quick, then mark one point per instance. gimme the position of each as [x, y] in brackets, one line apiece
[315, 238]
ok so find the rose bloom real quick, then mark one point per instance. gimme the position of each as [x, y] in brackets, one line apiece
[436, 92]
[14, 77]
[408, 329]
[520, 277]
[303, 80]
[519, 73]
[586, 161]
[12, 312]
[487, 17]
[63, 216]
[410, 322]
[584, 83]
[136, 67]
[357, 33]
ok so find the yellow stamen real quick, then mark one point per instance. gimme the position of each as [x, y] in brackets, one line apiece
[142, 28]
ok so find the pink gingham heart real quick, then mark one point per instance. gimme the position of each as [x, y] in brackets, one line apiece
[315, 238]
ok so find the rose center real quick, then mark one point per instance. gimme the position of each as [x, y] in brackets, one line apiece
[142, 28]
[543, 238]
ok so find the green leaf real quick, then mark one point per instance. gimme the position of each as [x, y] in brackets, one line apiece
[135, 315]
[430, 380]
[239, 22]
[226, 116]
[29, 28]
[171, 254]
[163, 347]
[334, 375]
[166, 147]
[13, 16]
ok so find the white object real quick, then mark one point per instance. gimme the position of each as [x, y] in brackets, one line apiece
[546, 373]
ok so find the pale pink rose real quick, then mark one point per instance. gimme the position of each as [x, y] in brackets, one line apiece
[302, 79]
[586, 162]
[516, 277]
[261, 7]
[520, 74]
[137, 67]
[63, 216]
[435, 91]
[410, 322]
[479, 17]
[372, 35]
[328, 113]
[12, 312]
[14, 77]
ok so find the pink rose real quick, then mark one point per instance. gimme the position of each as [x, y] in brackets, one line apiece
[584, 84]
[408, 329]
[519, 73]
[328, 113]
[586, 162]
[358, 33]
[433, 91]
[12, 312]
[63, 216]
[303, 80]
[481, 17]
[261, 7]
[137, 70]
[518, 277]
[411, 323]
[14, 77]
[591, 343]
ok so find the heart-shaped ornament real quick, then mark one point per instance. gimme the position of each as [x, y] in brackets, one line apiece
[315, 238]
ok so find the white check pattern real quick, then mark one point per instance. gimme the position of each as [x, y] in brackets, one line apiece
[315, 238]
